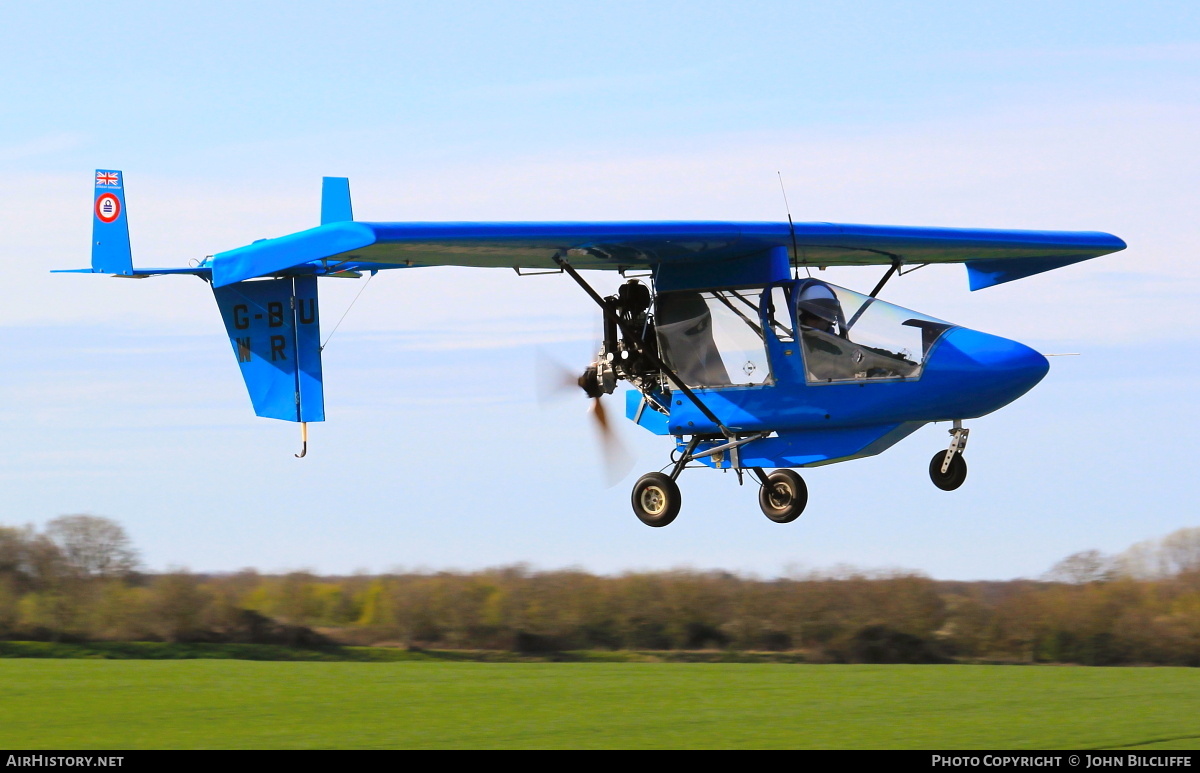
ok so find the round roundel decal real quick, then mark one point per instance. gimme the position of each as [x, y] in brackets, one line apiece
[108, 207]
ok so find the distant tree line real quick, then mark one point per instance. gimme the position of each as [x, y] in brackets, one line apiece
[78, 579]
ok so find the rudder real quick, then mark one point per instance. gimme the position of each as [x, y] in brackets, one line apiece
[110, 225]
[275, 330]
[335, 200]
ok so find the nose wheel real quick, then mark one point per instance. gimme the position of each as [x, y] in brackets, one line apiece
[948, 469]
[953, 477]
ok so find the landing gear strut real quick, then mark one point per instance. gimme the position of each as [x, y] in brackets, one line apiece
[948, 469]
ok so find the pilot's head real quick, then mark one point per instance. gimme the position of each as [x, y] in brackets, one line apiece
[817, 307]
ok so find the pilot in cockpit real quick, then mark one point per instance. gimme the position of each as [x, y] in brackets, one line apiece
[827, 352]
[817, 308]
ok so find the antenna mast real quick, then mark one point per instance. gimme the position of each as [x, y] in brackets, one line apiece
[791, 227]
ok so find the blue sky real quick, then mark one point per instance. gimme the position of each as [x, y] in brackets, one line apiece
[123, 400]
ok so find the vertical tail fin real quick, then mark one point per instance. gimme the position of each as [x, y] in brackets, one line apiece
[110, 225]
[335, 200]
[276, 335]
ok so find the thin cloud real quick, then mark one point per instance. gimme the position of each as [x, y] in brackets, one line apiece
[49, 144]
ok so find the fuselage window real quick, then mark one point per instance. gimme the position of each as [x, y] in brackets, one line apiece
[713, 339]
[848, 336]
[780, 315]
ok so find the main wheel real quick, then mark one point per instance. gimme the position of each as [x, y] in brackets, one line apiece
[655, 499]
[954, 475]
[783, 497]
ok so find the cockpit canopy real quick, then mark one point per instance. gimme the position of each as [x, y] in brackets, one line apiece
[724, 337]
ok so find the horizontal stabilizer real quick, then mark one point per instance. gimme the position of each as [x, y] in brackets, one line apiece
[110, 235]
[275, 331]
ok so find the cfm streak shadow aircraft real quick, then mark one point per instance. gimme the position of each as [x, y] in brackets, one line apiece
[743, 363]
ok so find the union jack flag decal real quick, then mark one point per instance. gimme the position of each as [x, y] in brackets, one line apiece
[108, 179]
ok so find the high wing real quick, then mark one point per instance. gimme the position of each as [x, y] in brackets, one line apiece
[991, 256]
[273, 323]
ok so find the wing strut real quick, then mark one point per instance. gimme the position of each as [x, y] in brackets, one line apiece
[871, 299]
[895, 267]
[630, 335]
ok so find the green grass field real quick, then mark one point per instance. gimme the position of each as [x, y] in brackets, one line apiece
[52, 704]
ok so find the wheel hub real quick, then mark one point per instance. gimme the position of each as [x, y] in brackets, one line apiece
[654, 500]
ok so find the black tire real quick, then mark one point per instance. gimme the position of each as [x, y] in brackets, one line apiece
[655, 499]
[783, 497]
[955, 475]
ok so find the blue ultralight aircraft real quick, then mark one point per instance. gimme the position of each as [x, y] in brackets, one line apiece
[729, 351]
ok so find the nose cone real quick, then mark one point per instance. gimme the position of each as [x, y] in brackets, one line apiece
[990, 371]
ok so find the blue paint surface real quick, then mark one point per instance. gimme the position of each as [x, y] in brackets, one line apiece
[770, 265]
[274, 329]
[664, 245]
[988, 273]
[110, 237]
[335, 200]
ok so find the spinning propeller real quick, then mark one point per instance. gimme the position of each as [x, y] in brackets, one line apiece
[556, 380]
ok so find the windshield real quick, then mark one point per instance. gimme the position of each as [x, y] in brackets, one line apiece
[849, 336]
[713, 338]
